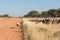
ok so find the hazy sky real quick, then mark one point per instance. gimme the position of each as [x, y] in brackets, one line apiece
[22, 7]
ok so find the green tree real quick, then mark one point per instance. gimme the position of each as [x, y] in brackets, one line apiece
[49, 13]
[54, 13]
[6, 15]
[44, 14]
[32, 14]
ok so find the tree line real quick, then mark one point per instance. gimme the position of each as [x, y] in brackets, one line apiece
[34, 13]
[5, 15]
[49, 13]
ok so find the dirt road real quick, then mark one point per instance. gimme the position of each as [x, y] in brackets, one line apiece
[9, 30]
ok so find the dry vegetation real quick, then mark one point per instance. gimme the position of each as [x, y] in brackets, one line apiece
[38, 31]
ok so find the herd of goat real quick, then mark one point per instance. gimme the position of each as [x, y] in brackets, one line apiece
[47, 21]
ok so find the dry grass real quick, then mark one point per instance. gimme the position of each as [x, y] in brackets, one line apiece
[38, 31]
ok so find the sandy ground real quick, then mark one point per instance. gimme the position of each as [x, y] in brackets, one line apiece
[9, 30]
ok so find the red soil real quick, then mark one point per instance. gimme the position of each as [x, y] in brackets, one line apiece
[9, 30]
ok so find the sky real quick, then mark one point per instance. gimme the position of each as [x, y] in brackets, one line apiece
[22, 7]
